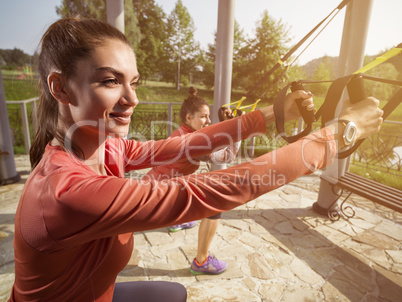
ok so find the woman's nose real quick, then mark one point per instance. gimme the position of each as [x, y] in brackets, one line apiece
[129, 97]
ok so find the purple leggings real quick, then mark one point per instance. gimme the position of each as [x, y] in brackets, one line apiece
[149, 291]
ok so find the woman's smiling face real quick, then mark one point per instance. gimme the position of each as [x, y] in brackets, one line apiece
[199, 119]
[102, 93]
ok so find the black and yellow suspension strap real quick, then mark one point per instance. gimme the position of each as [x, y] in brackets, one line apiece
[253, 106]
[234, 112]
[279, 112]
[238, 109]
[308, 116]
[355, 88]
[381, 59]
[388, 108]
[283, 61]
[354, 84]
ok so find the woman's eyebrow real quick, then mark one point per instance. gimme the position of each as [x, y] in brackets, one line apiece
[110, 69]
[136, 77]
[116, 72]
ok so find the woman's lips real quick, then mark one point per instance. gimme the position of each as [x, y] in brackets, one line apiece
[121, 117]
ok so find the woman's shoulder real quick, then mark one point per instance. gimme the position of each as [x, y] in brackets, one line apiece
[56, 159]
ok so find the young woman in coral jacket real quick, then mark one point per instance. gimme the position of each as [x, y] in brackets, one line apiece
[77, 213]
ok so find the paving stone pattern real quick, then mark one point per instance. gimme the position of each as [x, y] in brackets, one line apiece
[277, 248]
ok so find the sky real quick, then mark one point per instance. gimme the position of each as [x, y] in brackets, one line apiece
[23, 22]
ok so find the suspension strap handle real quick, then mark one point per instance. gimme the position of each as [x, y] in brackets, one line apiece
[308, 116]
[356, 93]
[355, 87]
[388, 108]
[327, 110]
[279, 112]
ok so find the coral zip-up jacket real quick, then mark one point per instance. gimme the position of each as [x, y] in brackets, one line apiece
[191, 165]
[74, 228]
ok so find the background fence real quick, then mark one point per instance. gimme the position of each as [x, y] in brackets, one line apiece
[381, 153]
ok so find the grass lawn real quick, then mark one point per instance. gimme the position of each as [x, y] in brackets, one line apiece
[16, 89]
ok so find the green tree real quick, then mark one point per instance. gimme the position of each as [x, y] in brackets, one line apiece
[90, 9]
[150, 53]
[196, 71]
[182, 46]
[14, 58]
[252, 58]
[208, 59]
[322, 73]
[239, 43]
[208, 65]
[397, 62]
[295, 73]
[261, 53]
[96, 9]
[190, 67]
[382, 91]
[132, 29]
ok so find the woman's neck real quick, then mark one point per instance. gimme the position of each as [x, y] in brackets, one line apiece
[95, 159]
[188, 127]
[92, 150]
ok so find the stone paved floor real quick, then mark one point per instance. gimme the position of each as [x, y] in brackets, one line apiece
[277, 248]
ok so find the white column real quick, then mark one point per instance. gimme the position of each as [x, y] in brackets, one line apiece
[351, 57]
[115, 13]
[223, 60]
[8, 172]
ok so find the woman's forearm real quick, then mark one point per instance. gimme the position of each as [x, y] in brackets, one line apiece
[268, 114]
[210, 139]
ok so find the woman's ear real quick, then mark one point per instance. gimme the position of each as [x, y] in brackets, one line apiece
[189, 117]
[56, 84]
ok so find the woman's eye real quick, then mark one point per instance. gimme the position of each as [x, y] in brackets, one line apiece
[111, 82]
[135, 84]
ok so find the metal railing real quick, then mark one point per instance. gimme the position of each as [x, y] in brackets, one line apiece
[153, 120]
[381, 152]
[23, 117]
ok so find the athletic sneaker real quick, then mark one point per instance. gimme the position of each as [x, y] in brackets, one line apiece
[178, 227]
[210, 266]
